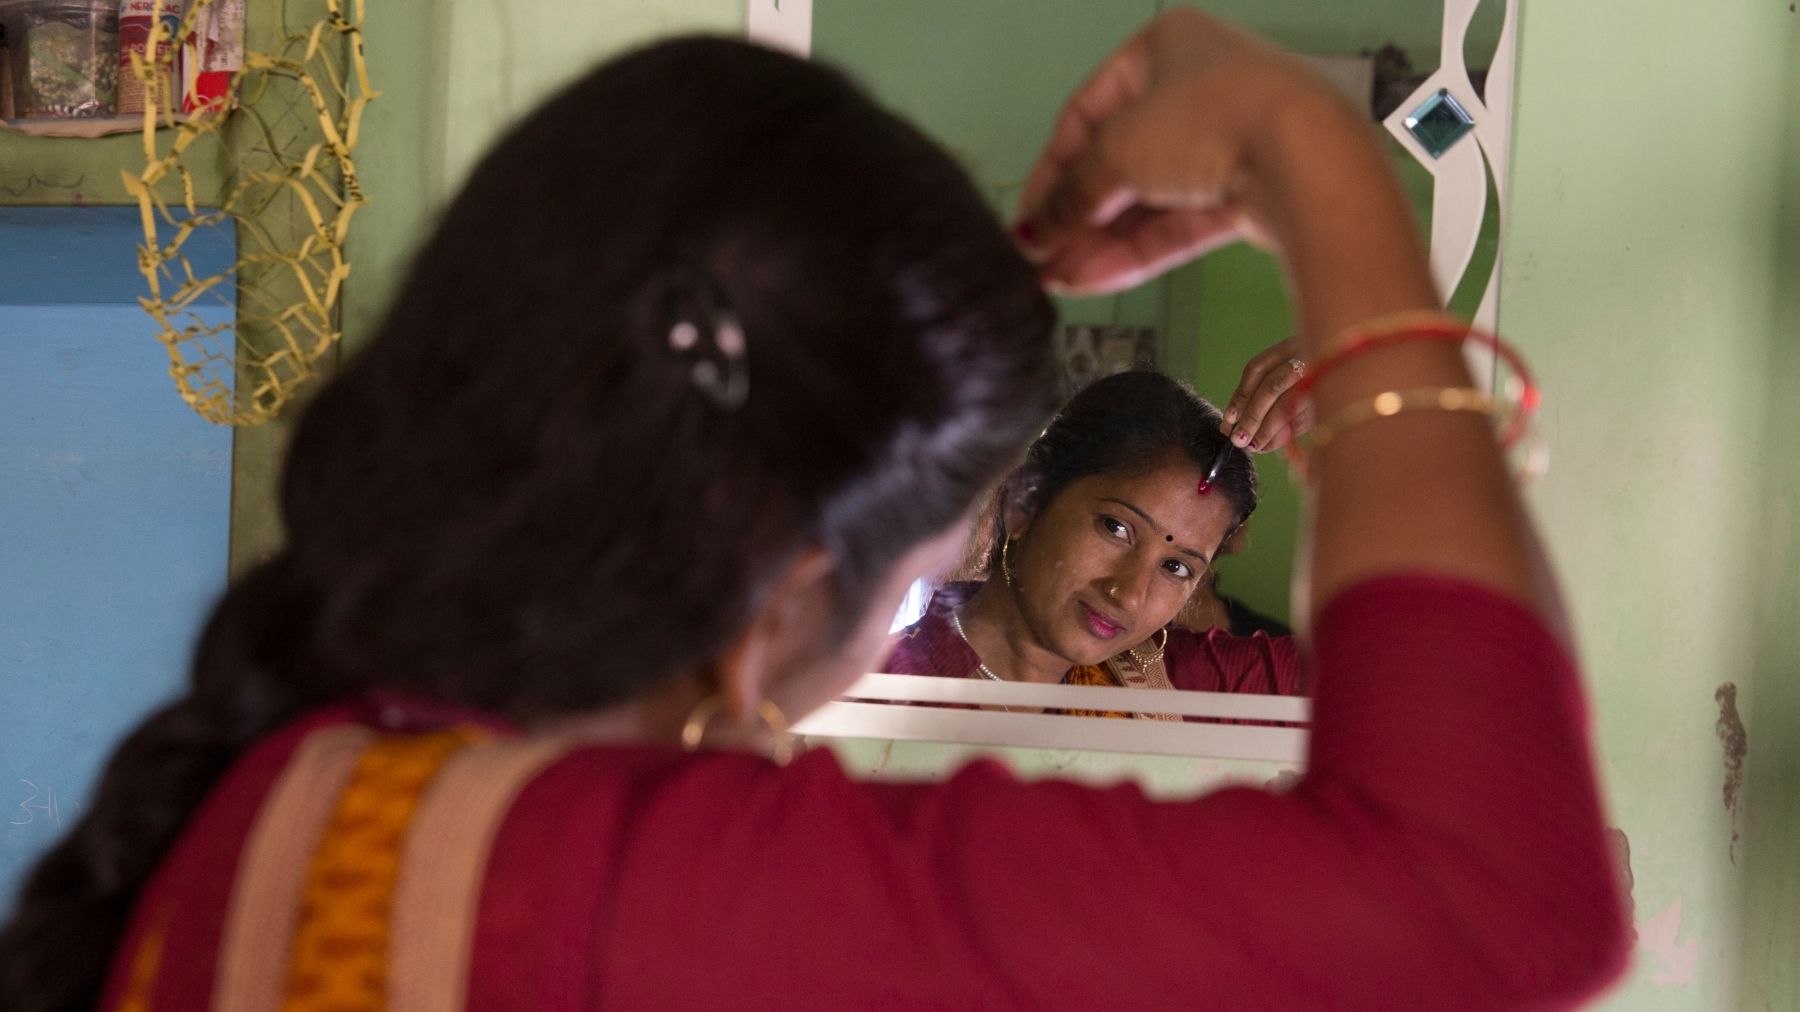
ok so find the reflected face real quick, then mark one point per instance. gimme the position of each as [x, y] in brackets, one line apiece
[1115, 557]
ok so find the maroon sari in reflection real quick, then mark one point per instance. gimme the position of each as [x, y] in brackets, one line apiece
[1212, 661]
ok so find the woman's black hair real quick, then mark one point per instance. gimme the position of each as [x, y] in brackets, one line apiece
[527, 494]
[1130, 421]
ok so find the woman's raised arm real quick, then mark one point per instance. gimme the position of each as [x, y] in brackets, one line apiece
[1194, 135]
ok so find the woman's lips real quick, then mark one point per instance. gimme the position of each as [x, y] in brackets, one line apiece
[1099, 625]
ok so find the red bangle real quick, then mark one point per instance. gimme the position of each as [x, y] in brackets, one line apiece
[1442, 330]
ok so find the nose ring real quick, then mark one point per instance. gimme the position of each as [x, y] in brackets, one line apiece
[1112, 591]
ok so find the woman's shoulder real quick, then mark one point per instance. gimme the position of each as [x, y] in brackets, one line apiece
[932, 646]
[1219, 637]
[1214, 660]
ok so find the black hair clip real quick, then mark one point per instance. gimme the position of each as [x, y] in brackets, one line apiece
[719, 357]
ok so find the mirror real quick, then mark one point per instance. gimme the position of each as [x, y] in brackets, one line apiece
[986, 80]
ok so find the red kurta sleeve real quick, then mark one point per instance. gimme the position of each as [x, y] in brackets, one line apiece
[1216, 661]
[1444, 850]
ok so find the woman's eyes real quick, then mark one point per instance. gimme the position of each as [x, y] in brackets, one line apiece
[1116, 528]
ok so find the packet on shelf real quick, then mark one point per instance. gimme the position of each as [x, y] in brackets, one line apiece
[211, 54]
[137, 21]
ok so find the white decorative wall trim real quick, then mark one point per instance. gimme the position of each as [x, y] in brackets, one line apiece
[1463, 173]
[781, 24]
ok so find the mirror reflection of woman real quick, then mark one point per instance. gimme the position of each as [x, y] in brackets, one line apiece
[705, 365]
[1101, 539]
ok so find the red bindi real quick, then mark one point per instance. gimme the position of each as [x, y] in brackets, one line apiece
[1204, 488]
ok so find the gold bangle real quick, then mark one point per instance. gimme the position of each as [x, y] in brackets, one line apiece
[1393, 402]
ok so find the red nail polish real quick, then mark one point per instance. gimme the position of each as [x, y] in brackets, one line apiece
[1026, 232]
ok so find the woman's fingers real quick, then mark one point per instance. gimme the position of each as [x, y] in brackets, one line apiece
[1255, 371]
[1091, 195]
[1287, 422]
[1277, 379]
[1135, 247]
[1145, 164]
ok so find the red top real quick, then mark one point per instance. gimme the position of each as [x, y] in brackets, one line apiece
[1444, 850]
[1211, 661]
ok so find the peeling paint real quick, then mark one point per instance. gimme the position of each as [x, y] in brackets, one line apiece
[1660, 937]
[1736, 744]
[1620, 845]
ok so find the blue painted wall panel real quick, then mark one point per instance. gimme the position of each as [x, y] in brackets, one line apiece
[88, 255]
[114, 522]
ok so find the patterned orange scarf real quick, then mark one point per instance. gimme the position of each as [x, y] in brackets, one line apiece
[1093, 674]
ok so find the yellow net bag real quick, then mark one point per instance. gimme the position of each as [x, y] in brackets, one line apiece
[291, 189]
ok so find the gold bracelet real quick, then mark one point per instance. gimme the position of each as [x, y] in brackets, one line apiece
[1392, 402]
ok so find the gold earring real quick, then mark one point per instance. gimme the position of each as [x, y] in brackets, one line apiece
[1143, 661]
[1006, 562]
[781, 748]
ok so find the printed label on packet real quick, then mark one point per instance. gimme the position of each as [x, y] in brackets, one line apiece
[136, 19]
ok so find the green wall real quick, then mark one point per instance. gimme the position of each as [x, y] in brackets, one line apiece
[67, 171]
[1770, 936]
[1642, 274]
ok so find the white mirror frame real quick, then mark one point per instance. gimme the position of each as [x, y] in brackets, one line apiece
[781, 24]
[888, 706]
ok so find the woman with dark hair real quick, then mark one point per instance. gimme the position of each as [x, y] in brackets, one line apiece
[1100, 539]
[705, 365]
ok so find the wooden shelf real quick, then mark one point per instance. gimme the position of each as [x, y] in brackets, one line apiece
[96, 127]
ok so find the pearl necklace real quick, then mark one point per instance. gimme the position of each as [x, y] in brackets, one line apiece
[980, 665]
[986, 672]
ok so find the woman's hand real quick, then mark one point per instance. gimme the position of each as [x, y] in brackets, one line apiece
[1150, 163]
[1261, 416]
